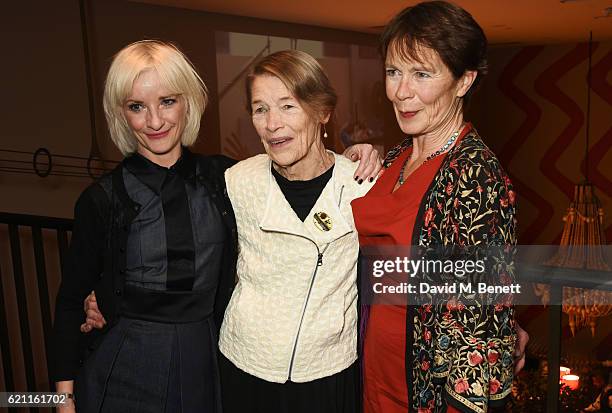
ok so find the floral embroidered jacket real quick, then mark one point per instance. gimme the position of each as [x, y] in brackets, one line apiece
[459, 350]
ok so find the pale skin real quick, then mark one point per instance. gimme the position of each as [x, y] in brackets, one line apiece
[427, 101]
[305, 160]
[428, 105]
[280, 116]
[156, 117]
[289, 134]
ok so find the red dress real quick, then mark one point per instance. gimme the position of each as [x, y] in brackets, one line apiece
[384, 217]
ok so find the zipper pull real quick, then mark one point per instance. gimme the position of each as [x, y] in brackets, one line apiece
[320, 259]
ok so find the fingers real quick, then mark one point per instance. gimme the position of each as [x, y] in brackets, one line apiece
[519, 353]
[369, 163]
[94, 314]
[364, 159]
[88, 299]
[91, 323]
[94, 318]
[523, 339]
[369, 166]
[375, 164]
[91, 305]
[351, 153]
[519, 364]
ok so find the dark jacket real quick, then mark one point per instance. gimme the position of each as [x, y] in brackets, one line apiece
[96, 260]
[456, 353]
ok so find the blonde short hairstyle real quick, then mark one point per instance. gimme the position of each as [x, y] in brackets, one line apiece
[176, 73]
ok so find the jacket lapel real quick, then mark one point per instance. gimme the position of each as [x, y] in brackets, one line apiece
[279, 216]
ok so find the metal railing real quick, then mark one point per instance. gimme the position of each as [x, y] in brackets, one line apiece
[23, 230]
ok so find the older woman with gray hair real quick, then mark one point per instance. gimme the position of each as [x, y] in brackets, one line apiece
[289, 336]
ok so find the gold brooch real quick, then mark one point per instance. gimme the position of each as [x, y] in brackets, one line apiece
[322, 221]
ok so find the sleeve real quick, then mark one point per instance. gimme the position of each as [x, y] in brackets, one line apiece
[228, 276]
[83, 267]
[483, 221]
[224, 162]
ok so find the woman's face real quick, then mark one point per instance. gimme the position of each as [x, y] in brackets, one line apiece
[289, 134]
[424, 95]
[156, 117]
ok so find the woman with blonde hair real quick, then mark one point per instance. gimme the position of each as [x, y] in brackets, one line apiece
[155, 239]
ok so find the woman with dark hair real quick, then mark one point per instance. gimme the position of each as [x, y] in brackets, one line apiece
[442, 187]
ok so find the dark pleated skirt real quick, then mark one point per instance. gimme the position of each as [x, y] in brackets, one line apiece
[245, 393]
[143, 366]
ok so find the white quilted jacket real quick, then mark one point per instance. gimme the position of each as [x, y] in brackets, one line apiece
[293, 314]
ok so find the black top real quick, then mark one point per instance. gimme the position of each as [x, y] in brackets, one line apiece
[302, 195]
[118, 248]
[168, 186]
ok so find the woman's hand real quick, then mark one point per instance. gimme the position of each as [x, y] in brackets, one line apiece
[66, 386]
[519, 353]
[68, 407]
[94, 319]
[370, 161]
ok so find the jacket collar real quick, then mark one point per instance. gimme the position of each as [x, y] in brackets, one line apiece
[153, 175]
[278, 215]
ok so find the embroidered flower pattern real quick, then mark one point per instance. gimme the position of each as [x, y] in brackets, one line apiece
[464, 350]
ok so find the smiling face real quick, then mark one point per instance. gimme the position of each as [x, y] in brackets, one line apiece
[156, 117]
[290, 135]
[425, 95]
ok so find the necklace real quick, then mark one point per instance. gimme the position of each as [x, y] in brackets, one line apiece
[442, 149]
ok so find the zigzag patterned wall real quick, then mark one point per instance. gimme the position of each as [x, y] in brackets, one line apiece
[532, 111]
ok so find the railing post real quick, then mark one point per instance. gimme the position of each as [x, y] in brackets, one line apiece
[22, 307]
[554, 348]
[7, 363]
[43, 292]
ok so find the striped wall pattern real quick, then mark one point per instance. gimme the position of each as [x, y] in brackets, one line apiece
[532, 111]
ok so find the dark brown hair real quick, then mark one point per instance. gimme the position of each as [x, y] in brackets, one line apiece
[302, 75]
[443, 27]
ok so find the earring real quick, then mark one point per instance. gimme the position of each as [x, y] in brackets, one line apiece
[324, 132]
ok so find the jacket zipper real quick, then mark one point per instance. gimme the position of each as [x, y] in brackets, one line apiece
[312, 280]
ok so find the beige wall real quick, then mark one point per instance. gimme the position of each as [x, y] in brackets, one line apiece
[45, 101]
[46, 91]
[46, 97]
